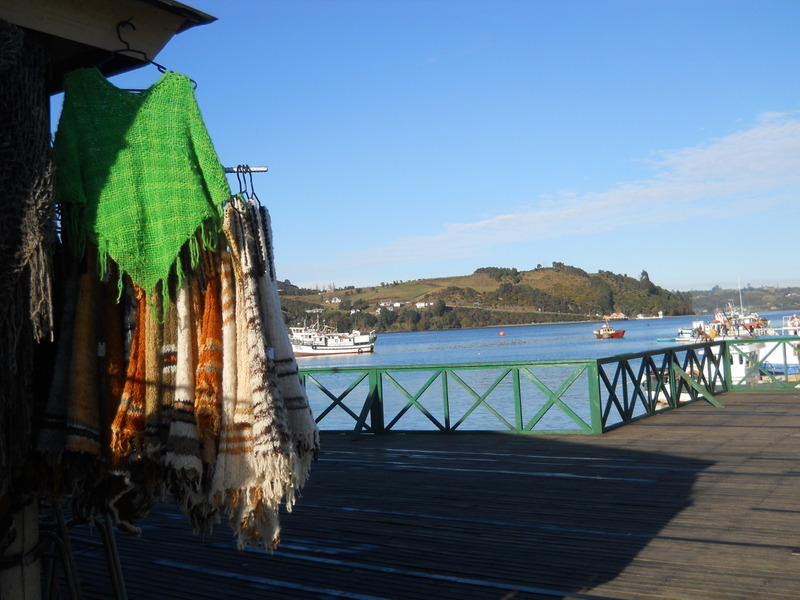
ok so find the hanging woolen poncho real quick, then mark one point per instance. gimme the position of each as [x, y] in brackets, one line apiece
[137, 173]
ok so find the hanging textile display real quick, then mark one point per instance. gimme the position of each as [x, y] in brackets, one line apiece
[137, 173]
[284, 434]
[192, 390]
[27, 243]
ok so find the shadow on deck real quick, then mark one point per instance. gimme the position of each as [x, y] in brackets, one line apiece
[697, 503]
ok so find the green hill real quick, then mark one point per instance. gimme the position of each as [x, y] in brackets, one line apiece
[490, 296]
[760, 299]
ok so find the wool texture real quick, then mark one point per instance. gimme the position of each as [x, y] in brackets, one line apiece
[149, 464]
[83, 416]
[203, 408]
[111, 360]
[210, 405]
[138, 172]
[303, 432]
[27, 230]
[128, 498]
[278, 466]
[184, 455]
[243, 412]
[127, 430]
[233, 471]
[51, 437]
[242, 479]
[183, 444]
[302, 426]
[228, 307]
[27, 242]
[270, 427]
[154, 339]
[208, 378]
[169, 368]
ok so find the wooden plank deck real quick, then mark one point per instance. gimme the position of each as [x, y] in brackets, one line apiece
[699, 503]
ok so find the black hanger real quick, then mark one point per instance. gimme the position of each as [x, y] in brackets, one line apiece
[242, 180]
[127, 51]
[253, 194]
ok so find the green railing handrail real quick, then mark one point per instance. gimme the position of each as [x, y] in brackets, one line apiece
[776, 368]
[555, 396]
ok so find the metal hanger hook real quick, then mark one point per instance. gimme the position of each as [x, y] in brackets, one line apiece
[252, 185]
[120, 25]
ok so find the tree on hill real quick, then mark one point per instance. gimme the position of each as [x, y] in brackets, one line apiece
[602, 293]
[498, 273]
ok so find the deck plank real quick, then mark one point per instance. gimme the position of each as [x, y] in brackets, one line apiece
[698, 503]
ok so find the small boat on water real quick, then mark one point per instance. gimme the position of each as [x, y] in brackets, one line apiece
[322, 340]
[607, 332]
[791, 325]
[660, 315]
[730, 324]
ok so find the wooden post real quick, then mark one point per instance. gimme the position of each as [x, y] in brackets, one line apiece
[23, 581]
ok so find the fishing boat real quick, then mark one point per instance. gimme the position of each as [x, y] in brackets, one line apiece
[728, 324]
[323, 340]
[791, 325]
[607, 332]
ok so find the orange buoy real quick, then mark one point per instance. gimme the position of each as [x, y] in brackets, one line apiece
[502, 333]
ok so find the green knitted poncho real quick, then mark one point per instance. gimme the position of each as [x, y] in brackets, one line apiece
[137, 173]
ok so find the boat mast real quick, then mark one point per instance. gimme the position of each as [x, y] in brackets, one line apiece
[741, 304]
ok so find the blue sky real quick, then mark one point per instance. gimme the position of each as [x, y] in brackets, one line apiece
[412, 139]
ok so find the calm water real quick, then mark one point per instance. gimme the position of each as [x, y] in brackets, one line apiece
[527, 342]
[491, 344]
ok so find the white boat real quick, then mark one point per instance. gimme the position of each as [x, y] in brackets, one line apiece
[791, 325]
[321, 340]
[729, 324]
[642, 316]
[776, 358]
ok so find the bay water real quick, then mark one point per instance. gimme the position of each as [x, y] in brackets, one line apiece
[515, 343]
[502, 344]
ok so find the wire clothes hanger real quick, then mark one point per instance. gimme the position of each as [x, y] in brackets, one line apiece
[243, 174]
[250, 203]
[253, 194]
[127, 51]
[241, 179]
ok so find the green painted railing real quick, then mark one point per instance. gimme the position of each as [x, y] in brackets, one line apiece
[561, 396]
[763, 364]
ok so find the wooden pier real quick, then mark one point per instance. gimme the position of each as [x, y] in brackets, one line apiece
[698, 503]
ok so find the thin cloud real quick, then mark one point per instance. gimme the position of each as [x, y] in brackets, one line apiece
[723, 176]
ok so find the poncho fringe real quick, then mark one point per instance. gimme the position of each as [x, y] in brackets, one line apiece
[211, 406]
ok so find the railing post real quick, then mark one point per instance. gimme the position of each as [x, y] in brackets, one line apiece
[446, 399]
[725, 357]
[595, 408]
[373, 405]
[517, 401]
[376, 401]
[672, 361]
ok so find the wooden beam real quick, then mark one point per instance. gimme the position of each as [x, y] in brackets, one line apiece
[94, 22]
[80, 33]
